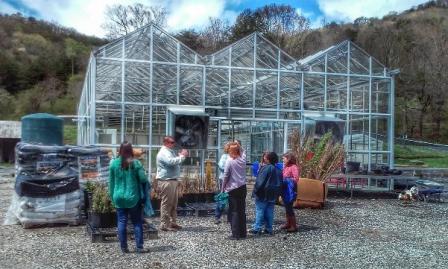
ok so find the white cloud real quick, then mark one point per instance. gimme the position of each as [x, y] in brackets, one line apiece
[349, 10]
[304, 13]
[185, 14]
[84, 15]
[87, 16]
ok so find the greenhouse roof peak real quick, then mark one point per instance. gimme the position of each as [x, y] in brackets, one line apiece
[166, 47]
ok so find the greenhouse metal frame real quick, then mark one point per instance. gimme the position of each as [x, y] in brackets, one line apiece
[252, 90]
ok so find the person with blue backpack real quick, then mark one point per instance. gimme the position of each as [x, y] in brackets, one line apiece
[291, 173]
[266, 191]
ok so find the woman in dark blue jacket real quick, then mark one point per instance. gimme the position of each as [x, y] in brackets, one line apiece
[266, 191]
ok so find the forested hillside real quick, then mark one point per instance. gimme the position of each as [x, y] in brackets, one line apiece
[42, 64]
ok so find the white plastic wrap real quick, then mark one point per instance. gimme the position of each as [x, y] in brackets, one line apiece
[31, 212]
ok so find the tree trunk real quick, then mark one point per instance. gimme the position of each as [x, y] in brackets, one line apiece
[73, 67]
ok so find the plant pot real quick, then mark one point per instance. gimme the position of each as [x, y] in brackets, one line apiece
[102, 220]
[311, 193]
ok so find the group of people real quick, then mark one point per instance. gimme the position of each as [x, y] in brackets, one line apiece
[271, 183]
[127, 174]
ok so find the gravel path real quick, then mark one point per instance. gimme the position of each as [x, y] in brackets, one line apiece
[348, 233]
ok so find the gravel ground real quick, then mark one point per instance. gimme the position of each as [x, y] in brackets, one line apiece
[348, 233]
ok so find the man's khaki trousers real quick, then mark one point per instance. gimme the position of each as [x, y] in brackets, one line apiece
[168, 206]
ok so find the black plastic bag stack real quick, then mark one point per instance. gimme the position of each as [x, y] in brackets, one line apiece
[47, 188]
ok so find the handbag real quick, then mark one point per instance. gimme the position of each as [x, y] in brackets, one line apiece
[289, 190]
[222, 200]
[144, 190]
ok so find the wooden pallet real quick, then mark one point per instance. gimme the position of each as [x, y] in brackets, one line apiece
[181, 211]
[49, 225]
[203, 209]
[103, 235]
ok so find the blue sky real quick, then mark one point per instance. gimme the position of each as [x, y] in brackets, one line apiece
[87, 16]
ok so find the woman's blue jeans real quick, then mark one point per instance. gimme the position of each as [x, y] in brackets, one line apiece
[264, 215]
[136, 215]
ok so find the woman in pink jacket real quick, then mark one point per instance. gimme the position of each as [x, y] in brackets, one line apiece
[290, 172]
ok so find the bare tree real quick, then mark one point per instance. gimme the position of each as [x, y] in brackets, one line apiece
[122, 20]
[215, 34]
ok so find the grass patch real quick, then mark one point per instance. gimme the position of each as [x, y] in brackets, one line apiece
[70, 134]
[409, 155]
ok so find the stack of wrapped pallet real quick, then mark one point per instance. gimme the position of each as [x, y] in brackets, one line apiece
[50, 180]
[47, 186]
[91, 163]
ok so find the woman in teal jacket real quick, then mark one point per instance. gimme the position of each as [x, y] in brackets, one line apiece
[126, 176]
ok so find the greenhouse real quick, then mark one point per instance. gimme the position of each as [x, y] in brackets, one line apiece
[139, 87]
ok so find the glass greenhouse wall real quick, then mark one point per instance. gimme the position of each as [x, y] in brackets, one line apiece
[252, 91]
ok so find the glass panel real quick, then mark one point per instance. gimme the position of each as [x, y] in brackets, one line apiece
[337, 93]
[290, 115]
[380, 126]
[277, 137]
[243, 53]
[212, 134]
[337, 60]
[108, 80]
[264, 114]
[226, 131]
[221, 58]
[154, 152]
[314, 92]
[359, 61]
[164, 84]
[266, 90]
[136, 123]
[215, 112]
[217, 87]
[290, 90]
[137, 45]
[158, 125]
[241, 113]
[292, 128]
[358, 138]
[380, 95]
[377, 68]
[362, 158]
[164, 47]
[241, 131]
[359, 99]
[112, 50]
[190, 85]
[379, 159]
[286, 62]
[137, 82]
[108, 124]
[186, 55]
[267, 55]
[241, 90]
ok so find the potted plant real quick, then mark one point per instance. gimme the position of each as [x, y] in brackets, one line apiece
[102, 213]
[317, 163]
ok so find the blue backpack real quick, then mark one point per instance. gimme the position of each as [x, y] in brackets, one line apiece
[289, 190]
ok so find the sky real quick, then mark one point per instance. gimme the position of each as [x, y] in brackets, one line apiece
[87, 16]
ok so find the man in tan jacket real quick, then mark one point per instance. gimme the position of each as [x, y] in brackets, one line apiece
[168, 173]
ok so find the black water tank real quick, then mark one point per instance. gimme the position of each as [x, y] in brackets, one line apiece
[42, 128]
